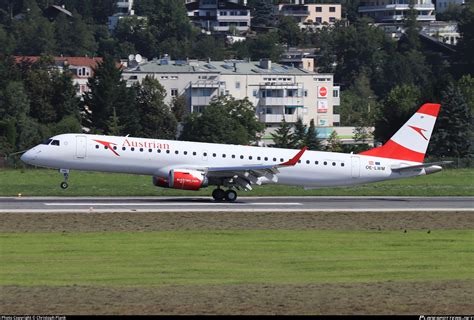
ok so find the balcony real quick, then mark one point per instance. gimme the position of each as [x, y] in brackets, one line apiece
[295, 13]
[201, 100]
[205, 84]
[281, 101]
[277, 118]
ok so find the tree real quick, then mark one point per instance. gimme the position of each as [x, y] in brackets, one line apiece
[224, 120]
[400, 104]
[262, 12]
[464, 59]
[289, 31]
[311, 138]
[453, 129]
[358, 103]
[283, 138]
[108, 91]
[73, 36]
[179, 107]
[299, 134]
[334, 144]
[156, 118]
[34, 33]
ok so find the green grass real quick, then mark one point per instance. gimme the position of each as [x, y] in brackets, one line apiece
[41, 182]
[233, 257]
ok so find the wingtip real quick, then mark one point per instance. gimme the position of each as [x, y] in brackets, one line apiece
[431, 109]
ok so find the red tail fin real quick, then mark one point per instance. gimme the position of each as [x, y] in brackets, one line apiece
[411, 141]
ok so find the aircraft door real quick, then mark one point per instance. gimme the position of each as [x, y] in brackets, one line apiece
[355, 167]
[81, 147]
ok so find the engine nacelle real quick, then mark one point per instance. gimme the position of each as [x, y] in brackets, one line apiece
[182, 179]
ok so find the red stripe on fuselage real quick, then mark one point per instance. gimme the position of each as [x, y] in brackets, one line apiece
[108, 145]
[431, 109]
[393, 150]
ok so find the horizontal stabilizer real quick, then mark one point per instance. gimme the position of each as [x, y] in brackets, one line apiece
[431, 167]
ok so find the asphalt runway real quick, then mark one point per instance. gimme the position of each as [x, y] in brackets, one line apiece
[243, 204]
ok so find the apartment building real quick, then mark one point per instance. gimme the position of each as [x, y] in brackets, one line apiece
[393, 11]
[442, 5]
[82, 68]
[219, 15]
[278, 92]
[310, 15]
[124, 9]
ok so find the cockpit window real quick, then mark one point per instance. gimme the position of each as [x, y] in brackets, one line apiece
[55, 143]
[48, 141]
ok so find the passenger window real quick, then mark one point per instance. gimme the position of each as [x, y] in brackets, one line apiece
[281, 160]
[250, 157]
[149, 150]
[123, 148]
[97, 146]
[316, 162]
[241, 157]
[133, 149]
[307, 161]
[233, 156]
[115, 147]
[325, 163]
[214, 155]
[266, 159]
[342, 164]
[333, 164]
[274, 159]
[167, 151]
[194, 153]
[176, 152]
[299, 161]
[105, 147]
[185, 152]
[141, 149]
[223, 155]
[159, 150]
[205, 154]
[259, 158]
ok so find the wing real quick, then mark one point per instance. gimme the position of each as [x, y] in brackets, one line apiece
[243, 177]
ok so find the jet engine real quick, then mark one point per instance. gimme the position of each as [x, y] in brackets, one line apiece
[182, 179]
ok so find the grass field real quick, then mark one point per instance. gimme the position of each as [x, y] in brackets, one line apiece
[146, 259]
[41, 182]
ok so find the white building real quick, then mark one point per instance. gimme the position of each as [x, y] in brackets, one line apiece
[124, 10]
[278, 92]
[310, 15]
[220, 15]
[396, 10]
[442, 5]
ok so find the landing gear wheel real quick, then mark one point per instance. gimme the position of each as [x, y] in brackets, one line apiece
[230, 195]
[219, 194]
[64, 185]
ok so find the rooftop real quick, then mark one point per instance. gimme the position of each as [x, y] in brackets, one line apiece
[219, 67]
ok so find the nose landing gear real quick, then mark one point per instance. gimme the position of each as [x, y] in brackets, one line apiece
[64, 184]
[221, 195]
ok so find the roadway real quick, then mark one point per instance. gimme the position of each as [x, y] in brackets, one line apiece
[243, 204]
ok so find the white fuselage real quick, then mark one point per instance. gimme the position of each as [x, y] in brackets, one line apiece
[157, 157]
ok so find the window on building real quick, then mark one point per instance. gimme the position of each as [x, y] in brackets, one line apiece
[332, 19]
[174, 92]
[319, 9]
[335, 93]
[319, 20]
[237, 85]
[332, 9]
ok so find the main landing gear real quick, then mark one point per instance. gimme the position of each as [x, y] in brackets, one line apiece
[65, 172]
[221, 195]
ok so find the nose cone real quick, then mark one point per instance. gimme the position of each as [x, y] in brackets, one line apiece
[28, 156]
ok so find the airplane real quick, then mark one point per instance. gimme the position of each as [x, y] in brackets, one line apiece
[195, 165]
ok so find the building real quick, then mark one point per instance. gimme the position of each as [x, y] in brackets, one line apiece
[278, 92]
[299, 58]
[82, 68]
[442, 5]
[220, 16]
[310, 15]
[395, 11]
[124, 10]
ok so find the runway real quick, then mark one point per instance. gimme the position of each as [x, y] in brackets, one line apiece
[243, 204]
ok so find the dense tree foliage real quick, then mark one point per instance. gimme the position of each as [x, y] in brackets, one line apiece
[224, 120]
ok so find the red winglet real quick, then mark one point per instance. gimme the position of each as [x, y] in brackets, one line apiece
[295, 159]
[431, 109]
